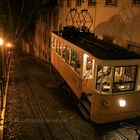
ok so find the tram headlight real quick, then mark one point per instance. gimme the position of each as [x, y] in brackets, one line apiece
[122, 103]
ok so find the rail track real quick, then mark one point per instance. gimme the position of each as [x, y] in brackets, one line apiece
[43, 117]
[121, 132]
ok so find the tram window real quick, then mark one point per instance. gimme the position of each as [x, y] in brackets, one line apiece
[53, 42]
[87, 66]
[103, 79]
[75, 61]
[73, 58]
[138, 83]
[78, 64]
[58, 48]
[66, 53]
[124, 78]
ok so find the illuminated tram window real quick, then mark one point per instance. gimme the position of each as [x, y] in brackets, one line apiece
[75, 61]
[103, 80]
[124, 78]
[53, 44]
[66, 53]
[87, 66]
[73, 58]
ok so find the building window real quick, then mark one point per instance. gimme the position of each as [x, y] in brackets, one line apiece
[136, 1]
[108, 39]
[134, 47]
[61, 3]
[91, 2]
[78, 2]
[68, 3]
[111, 2]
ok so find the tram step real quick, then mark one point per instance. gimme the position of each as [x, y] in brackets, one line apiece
[84, 112]
[86, 105]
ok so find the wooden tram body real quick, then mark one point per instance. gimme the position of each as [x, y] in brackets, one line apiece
[104, 77]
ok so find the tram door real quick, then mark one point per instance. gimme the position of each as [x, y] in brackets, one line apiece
[88, 65]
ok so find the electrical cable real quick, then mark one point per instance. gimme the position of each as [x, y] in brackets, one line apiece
[19, 19]
[16, 39]
[11, 24]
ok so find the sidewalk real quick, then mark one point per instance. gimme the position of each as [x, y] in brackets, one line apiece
[2, 113]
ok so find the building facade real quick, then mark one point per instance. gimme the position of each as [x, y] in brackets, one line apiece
[116, 21]
[46, 21]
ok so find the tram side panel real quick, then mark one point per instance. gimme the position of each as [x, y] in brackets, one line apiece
[87, 85]
[69, 75]
[108, 109]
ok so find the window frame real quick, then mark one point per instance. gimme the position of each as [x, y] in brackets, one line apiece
[61, 3]
[133, 47]
[108, 39]
[91, 2]
[136, 2]
[111, 3]
[103, 79]
[68, 3]
[127, 81]
[78, 2]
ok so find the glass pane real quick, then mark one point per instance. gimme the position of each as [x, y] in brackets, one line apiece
[87, 66]
[111, 2]
[60, 49]
[67, 53]
[119, 87]
[73, 58]
[53, 42]
[57, 47]
[124, 78]
[103, 80]
[64, 52]
[91, 2]
[78, 64]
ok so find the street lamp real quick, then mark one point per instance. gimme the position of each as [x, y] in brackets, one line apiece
[1, 55]
[1, 41]
[9, 45]
[1, 70]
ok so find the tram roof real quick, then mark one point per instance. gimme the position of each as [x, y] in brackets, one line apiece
[97, 47]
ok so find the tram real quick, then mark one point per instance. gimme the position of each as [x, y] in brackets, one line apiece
[103, 76]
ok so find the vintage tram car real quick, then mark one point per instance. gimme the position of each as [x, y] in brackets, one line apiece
[104, 77]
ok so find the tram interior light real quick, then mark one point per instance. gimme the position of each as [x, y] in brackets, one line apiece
[122, 103]
[85, 57]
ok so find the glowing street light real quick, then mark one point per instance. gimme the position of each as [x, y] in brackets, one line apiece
[1, 41]
[9, 45]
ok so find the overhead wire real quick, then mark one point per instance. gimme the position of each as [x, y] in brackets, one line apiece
[10, 16]
[22, 30]
[19, 19]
